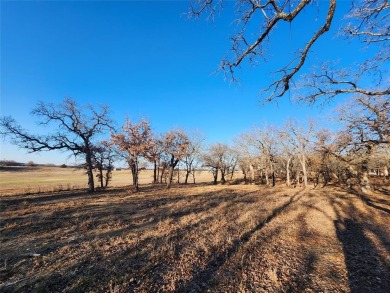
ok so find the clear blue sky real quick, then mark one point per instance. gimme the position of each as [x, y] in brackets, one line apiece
[144, 59]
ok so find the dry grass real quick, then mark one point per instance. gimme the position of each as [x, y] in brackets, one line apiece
[16, 180]
[238, 238]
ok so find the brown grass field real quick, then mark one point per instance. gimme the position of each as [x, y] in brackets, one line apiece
[16, 180]
[194, 238]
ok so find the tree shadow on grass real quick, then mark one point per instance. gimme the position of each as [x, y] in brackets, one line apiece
[367, 270]
[371, 202]
[138, 211]
[365, 243]
[201, 279]
[48, 197]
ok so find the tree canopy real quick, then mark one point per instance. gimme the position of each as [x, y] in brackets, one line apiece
[77, 129]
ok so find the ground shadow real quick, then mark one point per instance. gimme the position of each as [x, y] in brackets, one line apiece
[369, 201]
[367, 270]
[201, 279]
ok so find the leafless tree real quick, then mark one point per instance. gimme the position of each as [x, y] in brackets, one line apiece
[77, 129]
[248, 156]
[175, 145]
[366, 126]
[335, 159]
[135, 141]
[154, 156]
[287, 154]
[270, 13]
[380, 161]
[367, 21]
[104, 156]
[300, 138]
[266, 142]
[229, 164]
[244, 163]
[193, 155]
[220, 158]
[211, 160]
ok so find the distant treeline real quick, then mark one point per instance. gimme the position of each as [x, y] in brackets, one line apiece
[12, 163]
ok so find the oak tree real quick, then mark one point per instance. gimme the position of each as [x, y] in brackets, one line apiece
[193, 155]
[76, 131]
[366, 122]
[135, 141]
[175, 145]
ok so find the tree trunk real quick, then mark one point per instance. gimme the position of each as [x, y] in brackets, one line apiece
[158, 172]
[172, 166]
[232, 173]
[170, 177]
[186, 178]
[215, 174]
[162, 175]
[273, 178]
[302, 159]
[101, 177]
[296, 179]
[244, 173]
[364, 180]
[134, 172]
[252, 170]
[272, 174]
[223, 180]
[155, 172]
[188, 163]
[178, 174]
[108, 177]
[91, 184]
[288, 171]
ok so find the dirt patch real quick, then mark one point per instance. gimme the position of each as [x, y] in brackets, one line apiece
[238, 238]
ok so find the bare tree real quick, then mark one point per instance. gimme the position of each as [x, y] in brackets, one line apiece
[380, 161]
[193, 154]
[220, 158]
[367, 126]
[77, 128]
[229, 163]
[248, 156]
[367, 21]
[211, 160]
[135, 141]
[154, 156]
[336, 160]
[287, 154]
[175, 145]
[300, 137]
[270, 13]
[104, 156]
[265, 141]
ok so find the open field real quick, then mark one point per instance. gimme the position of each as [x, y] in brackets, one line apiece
[14, 180]
[237, 238]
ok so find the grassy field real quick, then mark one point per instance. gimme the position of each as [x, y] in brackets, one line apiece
[39, 179]
[196, 238]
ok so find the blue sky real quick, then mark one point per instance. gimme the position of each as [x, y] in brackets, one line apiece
[146, 59]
